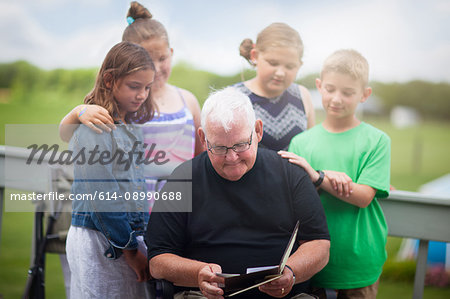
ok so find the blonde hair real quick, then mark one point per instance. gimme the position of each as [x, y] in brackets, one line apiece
[143, 27]
[124, 59]
[349, 62]
[274, 35]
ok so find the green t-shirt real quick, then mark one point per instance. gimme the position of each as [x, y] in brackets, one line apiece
[358, 235]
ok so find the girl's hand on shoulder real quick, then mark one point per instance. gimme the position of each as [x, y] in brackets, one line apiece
[96, 118]
[138, 262]
[340, 182]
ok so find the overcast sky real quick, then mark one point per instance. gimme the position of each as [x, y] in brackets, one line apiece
[402, 40]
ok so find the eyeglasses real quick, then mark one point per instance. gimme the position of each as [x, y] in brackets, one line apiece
[223, 150]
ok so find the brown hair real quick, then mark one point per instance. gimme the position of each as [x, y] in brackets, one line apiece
[348, 62]
[122, 60]
[143, 27]
[274, 35]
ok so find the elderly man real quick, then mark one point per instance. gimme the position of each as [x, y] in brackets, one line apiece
[245, 203]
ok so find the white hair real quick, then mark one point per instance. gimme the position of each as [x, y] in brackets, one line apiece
[222, 106]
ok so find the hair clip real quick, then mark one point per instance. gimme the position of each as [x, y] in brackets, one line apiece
[130, 20]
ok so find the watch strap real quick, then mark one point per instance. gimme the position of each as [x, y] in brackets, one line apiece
[320, 179]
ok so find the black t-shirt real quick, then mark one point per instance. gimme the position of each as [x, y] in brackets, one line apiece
[240, 224]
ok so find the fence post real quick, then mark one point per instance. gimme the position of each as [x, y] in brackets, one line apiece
[2, 192]
[421, 269]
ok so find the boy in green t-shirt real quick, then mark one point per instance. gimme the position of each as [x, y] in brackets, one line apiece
[357, 158]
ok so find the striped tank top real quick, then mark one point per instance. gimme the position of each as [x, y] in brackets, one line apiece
[171, 136]
[283, 117]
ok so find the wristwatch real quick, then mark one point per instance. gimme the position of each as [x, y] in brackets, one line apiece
[320, 179]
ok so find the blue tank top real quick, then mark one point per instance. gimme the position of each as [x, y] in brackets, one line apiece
[283, 117]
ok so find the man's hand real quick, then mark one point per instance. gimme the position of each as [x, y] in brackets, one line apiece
[279, 287]
[208, 281]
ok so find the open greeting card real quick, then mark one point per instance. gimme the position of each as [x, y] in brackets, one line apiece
[239, 283]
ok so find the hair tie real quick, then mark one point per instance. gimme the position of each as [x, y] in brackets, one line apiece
[130, 20]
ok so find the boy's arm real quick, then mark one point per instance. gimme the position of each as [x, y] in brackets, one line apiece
[95, 117]
[373, 179]
[339, 181]
[359, 195]
[336, 183]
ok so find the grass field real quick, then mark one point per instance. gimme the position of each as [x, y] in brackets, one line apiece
[16, 249]
[419, 155]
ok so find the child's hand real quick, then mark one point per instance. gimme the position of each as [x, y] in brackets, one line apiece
[95, 117]
[138, 262]
[340, 182]
[300, 161]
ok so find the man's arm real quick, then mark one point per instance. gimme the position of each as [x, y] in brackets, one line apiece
[309, 259]
[188, 273]
[181, 271]
[306, 261]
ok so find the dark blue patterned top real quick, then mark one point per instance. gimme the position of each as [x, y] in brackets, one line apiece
[283, 117]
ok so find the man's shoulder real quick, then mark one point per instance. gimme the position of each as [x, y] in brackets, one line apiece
[199, 159]
[83, 130]
[268, 154]
[188, 167]
[272, 160]
[85, 136]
